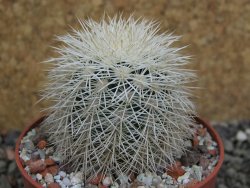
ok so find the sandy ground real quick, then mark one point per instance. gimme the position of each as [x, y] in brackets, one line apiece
[217, 32]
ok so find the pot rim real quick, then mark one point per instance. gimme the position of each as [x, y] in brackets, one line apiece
[211, 130]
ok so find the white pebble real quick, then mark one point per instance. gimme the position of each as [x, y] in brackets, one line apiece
[66, 181]
[183, 177]
[140, 177]
[114, 185]
[241, 136]
[140, 186]
[185, 181]
[147, 180]
[107, 181]
[76, 186]
[248, 131]
[39, 177]
[161, 185]
[62, 174]
[75, 180]
[123, 179]
[197, 172]
[57, 177]
[49, 178]
[156, 180]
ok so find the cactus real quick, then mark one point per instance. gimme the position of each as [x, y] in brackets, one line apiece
[121, 100]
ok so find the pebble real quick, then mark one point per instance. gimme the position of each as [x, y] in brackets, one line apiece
[107, 181]
[57, 177]
[49, 178]
[66, 181]
[12, 168]
[37, 166]
[62, 174]
[156, 180]
[39, 177]
[3, 165]
[241, 136]
[197, 172]
[41, 153]
[10, 153]
[54, 185]
[41, 144]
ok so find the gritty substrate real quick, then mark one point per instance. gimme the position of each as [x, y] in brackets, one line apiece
[44, 166]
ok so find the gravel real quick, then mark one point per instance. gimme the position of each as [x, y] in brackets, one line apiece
[234, 173]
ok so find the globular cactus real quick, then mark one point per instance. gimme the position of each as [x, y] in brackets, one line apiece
[121, 99]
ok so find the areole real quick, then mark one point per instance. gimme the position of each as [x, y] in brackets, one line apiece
[208, 182]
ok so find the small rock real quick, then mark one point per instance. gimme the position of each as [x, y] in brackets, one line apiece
[156, 180]
[141, 177]
[123, 179]
[49, 178]
[35, 156]
[148, 180]
[4, 183]
[39, 176]
[197, 172]
[181, 179]
[28, 144]
[161, 185]
[195, 141]
[62, 174]
[54, 185]
[176, 170]
[11, 137]
[248, 131]
[41, 144]
[49, 162]
[204, 162]
[12, 168]
[96, 180]
[212, 152]
[10, 153]
[37, 166]
[66, 181]
[44, 172]
[57, 177]
[53, 169]
[107, 181]
[25, 155]
[41, 154]
[3, 166]
[77, 186]
[241, 136]
[2, 154]
[75, 180]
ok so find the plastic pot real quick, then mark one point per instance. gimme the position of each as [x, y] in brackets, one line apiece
[208, 182]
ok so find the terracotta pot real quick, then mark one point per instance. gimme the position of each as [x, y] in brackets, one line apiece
[209, 182]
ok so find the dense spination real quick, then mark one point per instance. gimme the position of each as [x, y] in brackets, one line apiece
[121, 103]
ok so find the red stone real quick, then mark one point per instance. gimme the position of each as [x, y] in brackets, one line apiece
[53, 169]
[175, 170]
[37, 166]
[44, 172]
[102, 186]
[132, 176]
[54, 185]
[41, 144]
[96, 180]
[195, 141]
[49, 162]
[212, 152]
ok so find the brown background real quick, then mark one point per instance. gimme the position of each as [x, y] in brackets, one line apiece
[218, 34]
